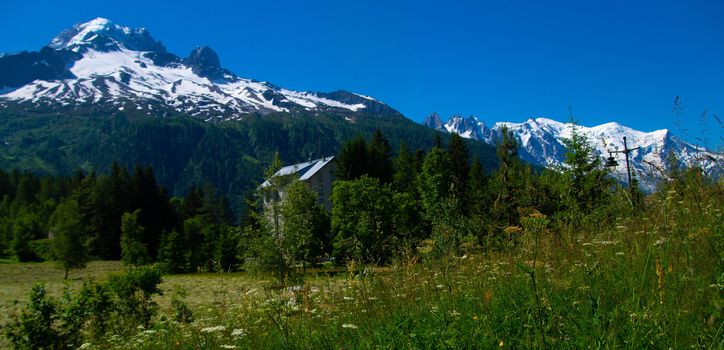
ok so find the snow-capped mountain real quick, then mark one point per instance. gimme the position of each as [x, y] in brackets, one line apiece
[541, 142]
[100, 64]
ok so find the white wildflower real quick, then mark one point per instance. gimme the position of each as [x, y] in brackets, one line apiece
[349, 325]
[348, 298]
[228, 346]
[213, 329]
[237, 332]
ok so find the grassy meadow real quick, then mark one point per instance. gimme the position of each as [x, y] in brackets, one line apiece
[650, 281]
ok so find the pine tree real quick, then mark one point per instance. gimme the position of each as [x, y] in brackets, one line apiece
[68, 236]
[434, 183]
[405, 177]
[587, 179]
[173, 253]
[478, 193]
[227, 250]
[459, 158]
[378, 158]
[507, 181]
[352, 160]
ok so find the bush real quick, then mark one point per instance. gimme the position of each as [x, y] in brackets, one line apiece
[119, 304]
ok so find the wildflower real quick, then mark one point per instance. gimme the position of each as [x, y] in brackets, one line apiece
[348, 298]
[349, 325]
[213, 329]
[237, 332]
[501, 344]
[620, 253]
[228, 346]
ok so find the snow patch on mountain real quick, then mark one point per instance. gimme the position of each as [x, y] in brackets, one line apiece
[112, 64]
[541, 142]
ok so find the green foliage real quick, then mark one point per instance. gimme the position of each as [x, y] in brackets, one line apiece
[352, 160]
[26, 229]
[227, 250]
[459, 158]
[135, 290]
[181, 311]
[434, 183]
[362, 220]
[133, 252]
[379, 164]
[405, 177]
[588, 184]
[68, 239]
[119, 304]
[306, 224]
[34, 329]
[509, 182]
[172, 255]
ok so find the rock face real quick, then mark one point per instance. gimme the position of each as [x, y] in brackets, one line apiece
[106, 66]
[540, 142]
[433, 121]
[205, 62]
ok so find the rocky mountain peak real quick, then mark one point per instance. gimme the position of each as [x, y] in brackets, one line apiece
[205, 62]
[101, 34]
[433, 121]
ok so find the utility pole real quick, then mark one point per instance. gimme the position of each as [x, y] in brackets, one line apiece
[611, 162]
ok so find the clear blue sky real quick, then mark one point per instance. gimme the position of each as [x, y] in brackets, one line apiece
[609, 60]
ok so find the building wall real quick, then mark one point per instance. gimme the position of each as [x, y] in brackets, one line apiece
[321, 182]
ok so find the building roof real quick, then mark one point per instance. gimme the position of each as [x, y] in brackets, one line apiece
[303, 170]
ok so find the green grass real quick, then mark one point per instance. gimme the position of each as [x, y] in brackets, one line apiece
[653, 281]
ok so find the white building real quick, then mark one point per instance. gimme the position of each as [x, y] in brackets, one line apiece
[318, 174]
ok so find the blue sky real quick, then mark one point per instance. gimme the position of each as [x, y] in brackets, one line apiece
[509, 60]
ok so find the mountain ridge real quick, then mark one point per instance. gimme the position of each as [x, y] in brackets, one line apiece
[116, 67]
[541, 142]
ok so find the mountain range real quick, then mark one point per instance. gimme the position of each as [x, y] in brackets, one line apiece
[101, 92]
[108, 66]
[541, 142]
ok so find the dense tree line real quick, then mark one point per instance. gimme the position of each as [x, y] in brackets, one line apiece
[121, 215]
[383, 203]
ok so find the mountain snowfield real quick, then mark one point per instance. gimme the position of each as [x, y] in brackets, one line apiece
[100, 62]
[540, 142]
